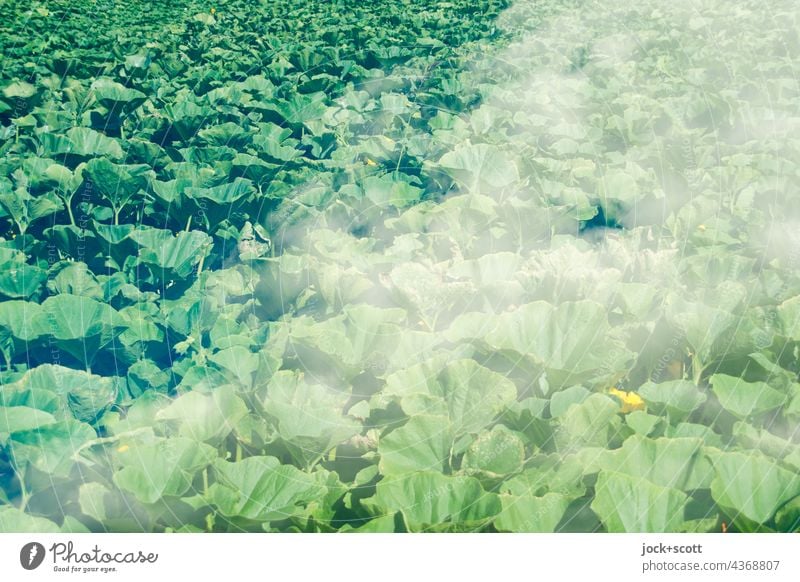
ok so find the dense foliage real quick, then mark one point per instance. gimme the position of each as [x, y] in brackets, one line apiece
[406, 266]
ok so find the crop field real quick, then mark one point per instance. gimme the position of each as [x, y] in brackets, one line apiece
[399, 266]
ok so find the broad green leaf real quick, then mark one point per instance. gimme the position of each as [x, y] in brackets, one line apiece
[471, 395]
[678, 398]
[423, 443]
[789, 317]
[593, 422]
[21, 281]
[495, 453]
[111, 94]
[19, 90]
[14, 419]
[224, 194]
[74, 279]
[240, 362]
[86, 396]
[561, 401]
[309, 416]
[480, 168]
[173, 257]
[704, 326]
[17, 325]
[81, 141]
[260, 488]
[626, 503]
[744, 399]
[527, 513]
[50, 448]
[205, 417]
[165, 467]
[668, 462]
[751, 484]
[569, 342]
[117, 183]
[12, 520]
[80, 326]
[548, 474]
[435, 501]
[361, 335]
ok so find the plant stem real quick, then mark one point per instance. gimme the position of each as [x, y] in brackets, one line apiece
[24, 495]
[68, 204]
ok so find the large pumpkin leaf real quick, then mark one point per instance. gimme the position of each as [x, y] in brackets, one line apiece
[422, 444]
[430, 500]
[205, 417]
[80, 326]
[751, 484]
[471, 395]
[569, 342]
[260, 488]
[744, 399]
[526, 513]
[480, 168]
[309, 416]
[162, 468]
[626, 503]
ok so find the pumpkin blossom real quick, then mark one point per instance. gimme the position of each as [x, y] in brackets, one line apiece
[630, 400]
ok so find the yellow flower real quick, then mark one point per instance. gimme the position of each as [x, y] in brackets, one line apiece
[123, 448]
[213, 11]
[371, 162]
[630, 400]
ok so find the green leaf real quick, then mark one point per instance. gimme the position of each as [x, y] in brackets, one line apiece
[50, 448]
[569, 341]
[526, 513]
[480, 168]
[172, 257]
[626, 503]
[435, 501]
[205, 417]
[16, 419]
[309, 416]
[19, 90]
[668, 462]
[593, 422]
[165, 467]
[12, 520]
[110, 94]
[81, 141]
[471, 395]
[260, 488]
[80, 326]
[421, 444]
[21, 281]
[678, 398]
[744, 399]
[751, 484]
[118, 183]
[495, 453]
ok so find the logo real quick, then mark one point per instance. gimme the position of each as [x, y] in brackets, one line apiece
[31, 555]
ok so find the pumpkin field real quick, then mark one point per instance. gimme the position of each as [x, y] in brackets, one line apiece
[399, 266]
